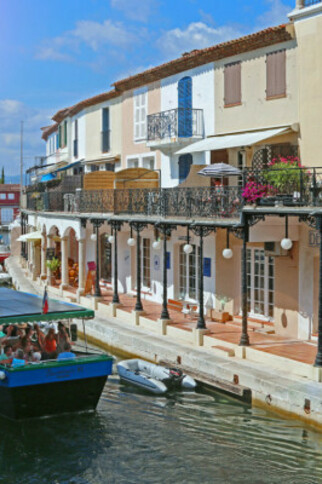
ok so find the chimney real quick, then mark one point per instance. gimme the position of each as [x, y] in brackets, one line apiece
[299, 4]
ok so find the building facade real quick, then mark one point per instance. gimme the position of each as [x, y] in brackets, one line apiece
[244, 241]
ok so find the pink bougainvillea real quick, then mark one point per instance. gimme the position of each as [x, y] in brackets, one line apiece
[253, 191]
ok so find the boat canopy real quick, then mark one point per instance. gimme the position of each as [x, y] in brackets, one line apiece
[22, 307]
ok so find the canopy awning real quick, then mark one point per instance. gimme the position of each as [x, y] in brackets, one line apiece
[21, 307]
[53, 167]
[106, 159]
[29, 237]
[232, 140]
[74, 164]
[48, 177]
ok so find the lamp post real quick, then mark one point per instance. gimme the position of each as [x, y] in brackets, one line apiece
[244, 339]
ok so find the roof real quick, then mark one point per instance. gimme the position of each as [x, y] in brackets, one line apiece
[48, 131]
[198, 57]
[9, 187]
[21, 307]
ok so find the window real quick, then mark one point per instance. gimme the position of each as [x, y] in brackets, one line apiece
[146, 273]
[105, 130]
[185, 161]
[185, 107]
[109, 167]
[232, 84]
[65, 133]
[94, 168]
[276, 74]
[3, 196]
[260, 283]
[6, 215]
[59, 140]
[148, 163]
[188, 273]
[140, 114]
[11, 196]
[76, 138]
[133, 163]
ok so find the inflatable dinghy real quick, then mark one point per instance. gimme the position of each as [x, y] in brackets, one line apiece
[153, 378]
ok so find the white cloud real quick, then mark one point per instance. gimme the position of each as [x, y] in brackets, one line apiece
[87, 33]
[139, 10]
[197, 35]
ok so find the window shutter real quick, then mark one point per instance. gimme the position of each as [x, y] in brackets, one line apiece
[106, 119]
[276, 74]
[232, 83]
[65, 133]
[140, 114]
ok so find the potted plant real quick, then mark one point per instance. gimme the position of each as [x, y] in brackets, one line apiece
[254, 191]
[54, 267]
[289, 179]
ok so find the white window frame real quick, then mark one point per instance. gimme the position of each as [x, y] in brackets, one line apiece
[151, 158]
[3, 196]
[187, 263]
[6, 210]
[140, 158]
[140, 112]
[11, 196]
[252, 287]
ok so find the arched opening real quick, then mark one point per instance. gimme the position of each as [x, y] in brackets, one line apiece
[185, 107]
[185, 162]
[72, 258]
[53, 256]
[106, 259]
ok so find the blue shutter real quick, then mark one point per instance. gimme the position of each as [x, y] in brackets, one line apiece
[185, 107]
[105, 130]
[185, 161]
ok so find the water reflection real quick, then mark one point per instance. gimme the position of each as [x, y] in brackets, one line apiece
[181, 438]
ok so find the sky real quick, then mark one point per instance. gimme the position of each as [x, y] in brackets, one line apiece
[54, 53]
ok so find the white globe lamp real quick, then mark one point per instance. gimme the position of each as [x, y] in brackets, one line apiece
[286, 244]
[227, 253]
[131, 242]
[93, 237]
[156, 245]
[110, 239]
[187, 248]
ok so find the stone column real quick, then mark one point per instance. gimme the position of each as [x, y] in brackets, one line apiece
[64, 263]
[49, 243]
[81, 267]
[43, 274]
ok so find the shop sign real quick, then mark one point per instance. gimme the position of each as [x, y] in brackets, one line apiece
[314, 238]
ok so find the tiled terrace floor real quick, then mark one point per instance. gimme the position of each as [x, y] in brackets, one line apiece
[302, 351]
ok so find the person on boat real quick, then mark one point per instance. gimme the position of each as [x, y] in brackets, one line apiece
[7, 356]
[18, 360]
[62, 337]
[39, 338]
[67, 353]
[27, 348]
[50, 343]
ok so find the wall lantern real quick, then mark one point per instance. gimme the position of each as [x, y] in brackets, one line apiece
[187, 248]
[156, 245]
[110, 238]
[227, 253]
[131, 240]
[286, 243]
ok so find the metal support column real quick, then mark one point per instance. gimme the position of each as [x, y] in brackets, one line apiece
[166, 232]
[96, 226]
[318, 359]
[138, 227]
[116, 226]
[244, 339]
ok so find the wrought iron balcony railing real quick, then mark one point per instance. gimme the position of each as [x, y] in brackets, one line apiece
[308, 3]
[175, 123]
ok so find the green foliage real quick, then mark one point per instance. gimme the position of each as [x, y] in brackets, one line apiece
[53, 264]
[286, 175]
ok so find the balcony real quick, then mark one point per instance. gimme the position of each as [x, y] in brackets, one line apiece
[174, 128]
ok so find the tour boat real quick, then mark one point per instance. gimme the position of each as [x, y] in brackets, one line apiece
[153, 378]
[53, 386]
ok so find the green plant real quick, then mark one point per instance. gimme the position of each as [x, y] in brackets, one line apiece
[286, 175]
[53, 264]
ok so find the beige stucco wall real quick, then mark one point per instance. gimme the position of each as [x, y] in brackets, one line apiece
[256, 112]
[93, 129]
[129, 146]
[309, 39]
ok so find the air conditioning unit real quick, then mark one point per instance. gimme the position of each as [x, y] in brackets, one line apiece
[274, 249]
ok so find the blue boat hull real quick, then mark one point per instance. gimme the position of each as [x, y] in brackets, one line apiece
[50, 390]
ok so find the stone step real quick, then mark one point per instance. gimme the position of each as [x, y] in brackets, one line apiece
[223, 351]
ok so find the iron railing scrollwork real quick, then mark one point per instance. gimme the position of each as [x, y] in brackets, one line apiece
[180, 122]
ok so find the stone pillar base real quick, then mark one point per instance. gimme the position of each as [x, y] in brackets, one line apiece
[114, 307]
[197, 335]
[95, 301]
[137, 315]
[80, 291]
[162, 326]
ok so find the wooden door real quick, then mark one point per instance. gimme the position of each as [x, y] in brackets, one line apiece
[219, 156]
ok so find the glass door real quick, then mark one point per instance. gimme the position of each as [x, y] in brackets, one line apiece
[260, 284]
[188, 276]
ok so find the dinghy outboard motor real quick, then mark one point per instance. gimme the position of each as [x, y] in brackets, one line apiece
[174, 379]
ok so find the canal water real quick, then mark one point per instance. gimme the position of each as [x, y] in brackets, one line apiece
[182, 438]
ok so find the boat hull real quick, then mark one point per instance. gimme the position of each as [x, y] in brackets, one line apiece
[51, 389]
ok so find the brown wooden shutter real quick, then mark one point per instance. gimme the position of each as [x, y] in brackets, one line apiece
[232, 81]
[276, 74]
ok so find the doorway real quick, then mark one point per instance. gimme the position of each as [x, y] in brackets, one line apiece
[260, 284]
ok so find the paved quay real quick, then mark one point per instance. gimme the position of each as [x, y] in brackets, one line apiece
[278, 382]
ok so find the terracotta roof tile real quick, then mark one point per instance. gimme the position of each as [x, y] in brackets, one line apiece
[263, 38]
